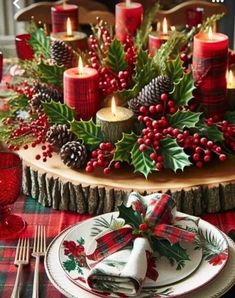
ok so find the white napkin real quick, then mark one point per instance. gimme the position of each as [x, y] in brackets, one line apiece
[122, 272]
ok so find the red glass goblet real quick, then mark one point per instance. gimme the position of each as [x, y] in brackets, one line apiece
[23, 48]
[10, 188]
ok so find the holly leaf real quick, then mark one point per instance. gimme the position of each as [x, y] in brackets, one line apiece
[19, 102]
[70, 264]
[58, 113]
[124, 147]
[173, 155]
[175, 253]
[125, 95]
[182, 119]
[51, 74]
[116, 56]
[5, 133]
[130, 216]
[144, 72]
[141, 161]
[211, 132]
[174, 70]
[88, 131]
[230, 117]
[40, 42]
[183, 92]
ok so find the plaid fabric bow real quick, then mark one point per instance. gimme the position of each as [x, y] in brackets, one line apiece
[157, 219]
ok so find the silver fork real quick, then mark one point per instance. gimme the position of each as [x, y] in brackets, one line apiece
[21, 259]
[39, 250]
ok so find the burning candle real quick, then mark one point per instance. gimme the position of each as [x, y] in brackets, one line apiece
[128, 18]
[230, 89]
[81, 90]
[60, 14]
[73, 39]
[156, 39]
[210, 52]
[114, 121]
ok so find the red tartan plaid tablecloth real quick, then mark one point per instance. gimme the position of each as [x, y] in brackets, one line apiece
[56, 221]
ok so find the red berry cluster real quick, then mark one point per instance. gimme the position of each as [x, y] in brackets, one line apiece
[200, 148]
[23, 88]
[165, 106]
[157, 127]
[35, 128]
[226, 128]
[102, 158]
[110, 81]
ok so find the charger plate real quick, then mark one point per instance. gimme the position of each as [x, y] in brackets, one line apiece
[222, 275]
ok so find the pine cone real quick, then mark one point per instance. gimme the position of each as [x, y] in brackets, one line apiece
[62, 54]
[134, 105]
[73, 154]
[58, 135]
[150, 94]
[44, 93]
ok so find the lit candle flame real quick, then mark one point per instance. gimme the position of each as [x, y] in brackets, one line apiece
[164, 26]
[69, 27]
[128, 3]
[230, 78]
[210, 34]
[80, 65]
[113, 106]
[64, 3]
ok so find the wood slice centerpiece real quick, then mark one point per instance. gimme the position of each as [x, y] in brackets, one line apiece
[53, 184]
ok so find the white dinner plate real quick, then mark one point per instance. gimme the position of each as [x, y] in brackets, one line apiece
[193, 284]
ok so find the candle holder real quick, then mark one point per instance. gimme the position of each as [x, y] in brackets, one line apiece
[60, 14]
[194, 16]
[113, 125]
[23, 48]
[78, 40]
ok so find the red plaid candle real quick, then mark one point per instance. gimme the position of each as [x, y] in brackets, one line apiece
[128, 18]
[60, 14]
[209, 71]
[81, 91]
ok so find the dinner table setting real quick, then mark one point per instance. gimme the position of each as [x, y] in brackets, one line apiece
[117, 158]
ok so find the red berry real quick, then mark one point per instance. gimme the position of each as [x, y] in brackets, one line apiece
[38, 156]
[89, 169]
[117, 165]
[143, 227]
[222, 157]
[143, 147]
[164, 97]
[107, 171]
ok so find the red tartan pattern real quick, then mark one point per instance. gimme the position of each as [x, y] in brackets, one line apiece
[173, 234]
[111, 242]
[159, 218]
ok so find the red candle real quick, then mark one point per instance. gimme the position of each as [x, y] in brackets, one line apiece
[128, 18]
[210, 52]
[24, 50]
[81, 91]
[60, 14]
[156, 39]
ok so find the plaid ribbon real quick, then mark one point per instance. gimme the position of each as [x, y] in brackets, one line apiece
[159, 218]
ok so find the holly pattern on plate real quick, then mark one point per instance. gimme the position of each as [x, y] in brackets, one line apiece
[213, 247]
[76, 257]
